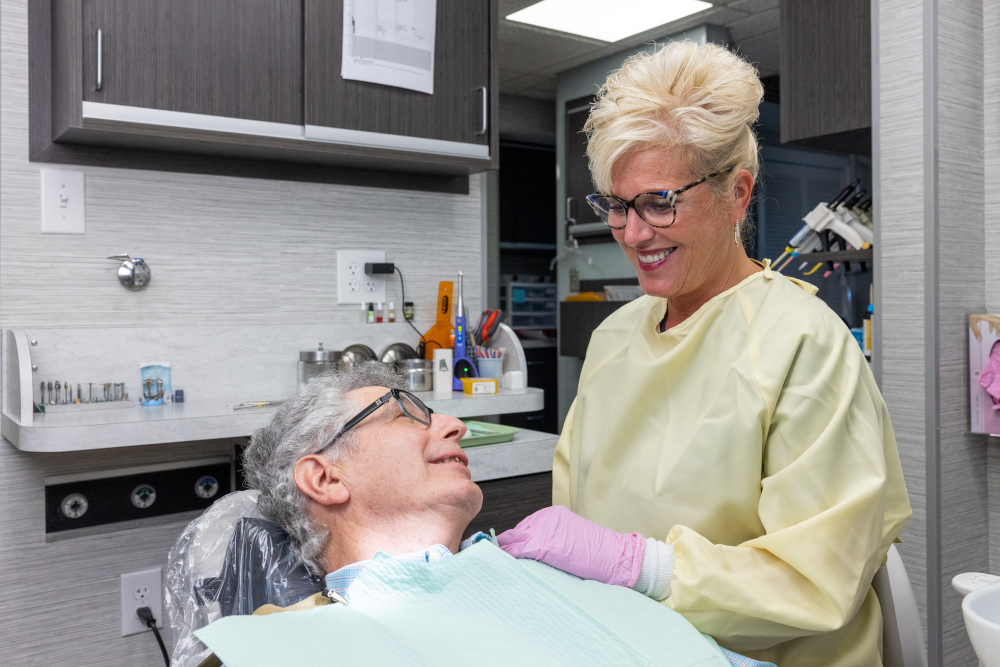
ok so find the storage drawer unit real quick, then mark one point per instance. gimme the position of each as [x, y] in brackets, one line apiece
[529, 305]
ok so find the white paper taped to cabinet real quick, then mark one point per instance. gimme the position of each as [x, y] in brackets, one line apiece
[391, 43]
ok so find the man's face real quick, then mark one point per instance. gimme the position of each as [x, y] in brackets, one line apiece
[401, 466]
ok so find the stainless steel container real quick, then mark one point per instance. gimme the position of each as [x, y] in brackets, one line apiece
[315, 362]
[419, 374]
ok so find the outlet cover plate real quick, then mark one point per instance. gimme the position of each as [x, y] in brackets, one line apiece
[63, 204]
[141, 589]
[353, 284]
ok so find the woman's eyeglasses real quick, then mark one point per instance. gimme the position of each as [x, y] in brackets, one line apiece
[657, 209]
[411, 406]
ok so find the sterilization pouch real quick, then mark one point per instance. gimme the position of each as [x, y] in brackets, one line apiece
[479, 607]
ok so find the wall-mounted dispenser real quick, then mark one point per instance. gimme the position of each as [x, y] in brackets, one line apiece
[134, 274]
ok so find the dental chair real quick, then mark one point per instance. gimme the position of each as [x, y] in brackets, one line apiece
[231, 561]
[902, 634]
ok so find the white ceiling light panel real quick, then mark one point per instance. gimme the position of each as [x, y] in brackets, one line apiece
[607, 20]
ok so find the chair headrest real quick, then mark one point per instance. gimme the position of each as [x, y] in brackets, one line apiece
[260, 568]
[229, 561]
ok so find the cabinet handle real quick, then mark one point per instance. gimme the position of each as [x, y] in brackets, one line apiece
[100, 59]
[570, 218]
[483, 130]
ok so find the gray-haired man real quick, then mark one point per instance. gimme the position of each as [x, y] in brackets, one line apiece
[356, 457]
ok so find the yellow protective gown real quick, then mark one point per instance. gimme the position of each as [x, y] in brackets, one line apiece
[753, 438]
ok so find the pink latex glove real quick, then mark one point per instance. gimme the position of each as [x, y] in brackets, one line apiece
[567, 541]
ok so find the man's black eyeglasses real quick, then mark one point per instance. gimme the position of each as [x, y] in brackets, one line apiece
[411, 406]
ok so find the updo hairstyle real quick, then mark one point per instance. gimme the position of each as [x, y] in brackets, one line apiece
[698, 99]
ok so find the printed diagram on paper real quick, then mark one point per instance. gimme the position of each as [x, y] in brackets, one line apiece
[390, 42]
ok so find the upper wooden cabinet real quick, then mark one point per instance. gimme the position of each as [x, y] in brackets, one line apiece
[221, 84]
[826, 82]
[457, 112]
[230, 58]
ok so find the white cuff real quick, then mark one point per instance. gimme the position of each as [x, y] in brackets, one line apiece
[657, 573]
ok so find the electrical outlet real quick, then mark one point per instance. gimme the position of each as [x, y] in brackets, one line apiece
[141, 589]
[353, 284]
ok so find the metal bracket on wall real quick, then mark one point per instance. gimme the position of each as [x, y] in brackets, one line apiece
[133, 274]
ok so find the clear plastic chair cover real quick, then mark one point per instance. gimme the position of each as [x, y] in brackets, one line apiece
[229, 561]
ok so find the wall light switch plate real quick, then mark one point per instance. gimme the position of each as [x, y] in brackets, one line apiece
[353, 284]
[63, 203]
[141, 589]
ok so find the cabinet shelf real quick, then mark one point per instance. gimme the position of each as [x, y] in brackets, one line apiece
[838, 256]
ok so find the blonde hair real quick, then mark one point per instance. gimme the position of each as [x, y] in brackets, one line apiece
[698, 99]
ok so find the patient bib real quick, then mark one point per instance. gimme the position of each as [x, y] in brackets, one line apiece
[480, 607]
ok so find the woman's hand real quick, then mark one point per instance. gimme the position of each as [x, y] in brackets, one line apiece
[557, 537]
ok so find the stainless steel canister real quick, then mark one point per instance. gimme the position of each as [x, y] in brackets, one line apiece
[314, 362]
[419, 374]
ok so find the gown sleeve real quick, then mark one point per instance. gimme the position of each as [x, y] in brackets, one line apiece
[832, 501]
[560, 462]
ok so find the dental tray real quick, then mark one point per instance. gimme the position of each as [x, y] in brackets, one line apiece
[484, 433]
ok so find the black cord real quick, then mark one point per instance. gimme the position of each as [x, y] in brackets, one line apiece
[402, 289]
[145, 614]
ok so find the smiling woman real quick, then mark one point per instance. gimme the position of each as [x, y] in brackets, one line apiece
[728, 452]
[653, 139]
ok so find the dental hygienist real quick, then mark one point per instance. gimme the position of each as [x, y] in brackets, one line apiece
[728, 451]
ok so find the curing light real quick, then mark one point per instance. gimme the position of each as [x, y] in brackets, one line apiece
[607, 20]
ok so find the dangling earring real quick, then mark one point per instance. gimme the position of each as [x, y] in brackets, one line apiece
[736, 232]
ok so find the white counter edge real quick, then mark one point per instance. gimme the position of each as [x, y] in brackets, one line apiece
[110, 429]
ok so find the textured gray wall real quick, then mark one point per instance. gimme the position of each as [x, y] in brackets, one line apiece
[933, 85]
[224, 251]
[964, 531]
[901, 256]
[991, 160]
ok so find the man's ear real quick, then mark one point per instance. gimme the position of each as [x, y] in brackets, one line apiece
[321, 480]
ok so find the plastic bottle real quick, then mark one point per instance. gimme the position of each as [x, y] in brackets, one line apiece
[371, 313]
[378, 312]
[392, 312]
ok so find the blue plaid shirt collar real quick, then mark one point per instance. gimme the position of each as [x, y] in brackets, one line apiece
[339, 581]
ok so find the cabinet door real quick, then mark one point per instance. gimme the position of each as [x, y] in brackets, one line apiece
[231, 58]
[461, 67]
[578, 181]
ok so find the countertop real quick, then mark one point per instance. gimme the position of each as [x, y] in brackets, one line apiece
[205, 420]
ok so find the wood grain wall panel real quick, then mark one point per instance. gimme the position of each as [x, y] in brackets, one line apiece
[958, 540]
[78, 576]
[223, 251]
[961, 290]
[901, 256]
[991, 244]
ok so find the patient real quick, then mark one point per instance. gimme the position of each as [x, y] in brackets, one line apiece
[375, 492]
[388, 477]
